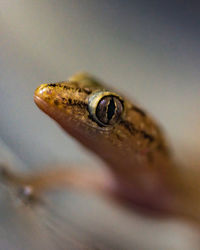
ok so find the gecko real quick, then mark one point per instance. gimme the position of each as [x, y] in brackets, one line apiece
[142, 173]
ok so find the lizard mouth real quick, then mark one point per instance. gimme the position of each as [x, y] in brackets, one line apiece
[41, 104]
[45, 98]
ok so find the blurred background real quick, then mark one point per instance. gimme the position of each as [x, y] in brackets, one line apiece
[149, 50]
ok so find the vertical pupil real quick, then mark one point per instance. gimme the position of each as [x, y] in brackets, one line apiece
[108, 110]
[111, 109]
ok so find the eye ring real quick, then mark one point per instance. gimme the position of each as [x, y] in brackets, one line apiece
[105, 107]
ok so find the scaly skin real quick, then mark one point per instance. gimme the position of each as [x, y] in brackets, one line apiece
[142, 171]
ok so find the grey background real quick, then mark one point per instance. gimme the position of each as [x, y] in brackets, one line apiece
[147, 49]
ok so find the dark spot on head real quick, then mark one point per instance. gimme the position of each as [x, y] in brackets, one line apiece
[80, 103]
[147, 136]
[52, 85]
[56, 102]
[87, 90]
[66, 87]
[131, 128]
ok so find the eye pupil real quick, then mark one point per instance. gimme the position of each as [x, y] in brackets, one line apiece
[109, 110]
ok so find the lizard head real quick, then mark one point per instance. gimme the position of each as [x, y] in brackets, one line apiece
[81, 101]
[100, 119]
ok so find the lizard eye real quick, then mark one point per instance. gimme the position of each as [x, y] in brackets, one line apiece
[105, 107]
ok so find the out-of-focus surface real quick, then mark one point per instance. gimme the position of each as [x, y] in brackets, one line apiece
[148, 50]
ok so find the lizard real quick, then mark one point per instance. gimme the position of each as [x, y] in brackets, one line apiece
[142, 173]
